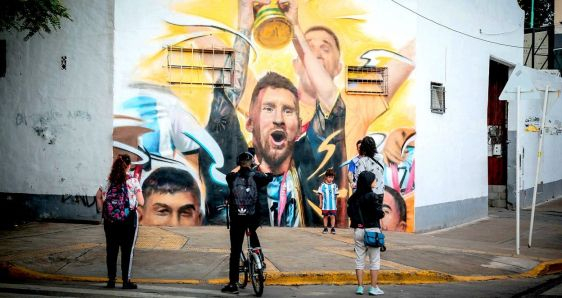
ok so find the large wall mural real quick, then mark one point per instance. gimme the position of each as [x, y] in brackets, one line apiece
[298, 82]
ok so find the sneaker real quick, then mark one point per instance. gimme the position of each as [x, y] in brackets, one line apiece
[325, 231]
[333, 231]
[129, 285]
[110, 284]
[374, 291]
[232, 289]
[359, 290]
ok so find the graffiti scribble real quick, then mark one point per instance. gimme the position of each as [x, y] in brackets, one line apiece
[79, 199]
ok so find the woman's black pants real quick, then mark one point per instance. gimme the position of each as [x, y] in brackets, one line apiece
[121, 235]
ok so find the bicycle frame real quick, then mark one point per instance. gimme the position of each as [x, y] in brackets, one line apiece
[252, 267]
[252, 252]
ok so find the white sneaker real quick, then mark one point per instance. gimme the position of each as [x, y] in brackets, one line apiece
[359, 290]
[375, 291]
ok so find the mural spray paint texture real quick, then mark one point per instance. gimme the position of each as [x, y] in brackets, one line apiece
[298, 81]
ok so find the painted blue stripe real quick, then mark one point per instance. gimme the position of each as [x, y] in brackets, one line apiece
[146, 107]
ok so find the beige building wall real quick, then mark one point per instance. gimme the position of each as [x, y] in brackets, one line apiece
[557, 16]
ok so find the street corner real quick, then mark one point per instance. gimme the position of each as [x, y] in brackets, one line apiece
[11, 271]
[545, 268]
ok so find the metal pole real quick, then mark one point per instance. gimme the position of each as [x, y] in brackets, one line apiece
[532, 47]
[517, 172]
[539, 156]
[532, 23]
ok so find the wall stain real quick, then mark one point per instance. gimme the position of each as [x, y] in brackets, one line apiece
[45, 134]
[47, 125]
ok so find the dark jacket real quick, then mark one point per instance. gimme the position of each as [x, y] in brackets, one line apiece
[364, 207]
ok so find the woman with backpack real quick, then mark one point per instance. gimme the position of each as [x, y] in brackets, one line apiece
[118, 200]
[364, 208]
[371, 161]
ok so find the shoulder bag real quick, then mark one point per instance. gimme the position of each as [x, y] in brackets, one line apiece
[372, 238]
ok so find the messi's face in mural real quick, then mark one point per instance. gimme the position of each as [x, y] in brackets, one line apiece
[274, 123]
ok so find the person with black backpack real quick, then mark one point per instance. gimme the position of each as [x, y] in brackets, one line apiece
[118, 201]
[244, 183]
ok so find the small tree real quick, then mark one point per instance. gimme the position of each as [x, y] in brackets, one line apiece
[32, 16]
[544, 12]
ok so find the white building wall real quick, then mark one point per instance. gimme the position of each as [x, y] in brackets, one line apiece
[552, 147]
[136, 25]
[451, 149]
[56, 124]
[550, 173]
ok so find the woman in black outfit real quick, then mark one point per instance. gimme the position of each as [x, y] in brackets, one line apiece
[121, 233]
[365, 211]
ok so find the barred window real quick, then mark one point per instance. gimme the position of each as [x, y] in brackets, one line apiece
[437, 98]
[366, 80]
[196, 66]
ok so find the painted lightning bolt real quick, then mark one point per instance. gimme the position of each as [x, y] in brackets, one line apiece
[329, 148]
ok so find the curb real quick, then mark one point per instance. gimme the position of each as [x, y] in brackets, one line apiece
[347, 278]
[10, 271]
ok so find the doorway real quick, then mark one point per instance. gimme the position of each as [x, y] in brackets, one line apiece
[497, 136]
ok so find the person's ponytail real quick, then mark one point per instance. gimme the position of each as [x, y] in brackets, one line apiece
[118, 173]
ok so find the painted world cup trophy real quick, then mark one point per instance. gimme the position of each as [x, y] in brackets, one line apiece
[271, 28]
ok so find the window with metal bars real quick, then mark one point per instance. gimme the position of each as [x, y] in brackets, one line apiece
[366, 80]
[199, 67]
[437, 98]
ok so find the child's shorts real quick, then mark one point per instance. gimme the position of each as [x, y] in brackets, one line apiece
[329, 212]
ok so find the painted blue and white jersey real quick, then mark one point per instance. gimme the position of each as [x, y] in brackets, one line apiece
[329, 194]
[171, 126]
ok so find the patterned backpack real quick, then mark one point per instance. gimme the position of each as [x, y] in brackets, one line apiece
[116, 204]
[245, 194]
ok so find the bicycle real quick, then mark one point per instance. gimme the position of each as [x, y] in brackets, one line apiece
[252, 268]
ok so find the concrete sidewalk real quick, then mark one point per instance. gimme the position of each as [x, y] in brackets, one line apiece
[483, 250]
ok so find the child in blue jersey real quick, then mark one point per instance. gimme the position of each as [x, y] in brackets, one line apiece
[328, 192]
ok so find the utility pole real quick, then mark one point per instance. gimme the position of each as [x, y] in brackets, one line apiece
[532, 33]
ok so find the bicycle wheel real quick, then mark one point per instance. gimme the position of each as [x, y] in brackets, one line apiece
[256, 274]
[243, 269]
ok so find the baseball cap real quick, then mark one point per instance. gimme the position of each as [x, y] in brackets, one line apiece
[244, 156]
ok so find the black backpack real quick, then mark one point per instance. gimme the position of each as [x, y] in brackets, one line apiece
[245, 194]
